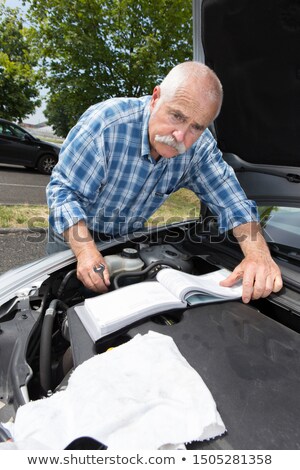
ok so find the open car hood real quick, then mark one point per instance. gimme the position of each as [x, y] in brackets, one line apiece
[254, 47]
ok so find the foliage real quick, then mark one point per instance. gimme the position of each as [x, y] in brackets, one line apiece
[95, 49]
[58, 112]
[18, 78]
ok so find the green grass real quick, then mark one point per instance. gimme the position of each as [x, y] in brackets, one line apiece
[182, 205]
[24, 216]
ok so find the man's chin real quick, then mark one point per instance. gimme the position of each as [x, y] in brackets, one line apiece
[174, 154]
[166, 151]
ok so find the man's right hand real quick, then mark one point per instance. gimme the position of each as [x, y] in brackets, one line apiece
[88, 257]
[87, 260]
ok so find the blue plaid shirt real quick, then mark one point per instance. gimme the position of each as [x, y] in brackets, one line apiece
[107, 177]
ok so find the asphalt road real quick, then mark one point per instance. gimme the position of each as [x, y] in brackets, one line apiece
[19, 248]
[19, 185]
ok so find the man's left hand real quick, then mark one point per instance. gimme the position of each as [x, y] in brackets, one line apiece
[260, 275]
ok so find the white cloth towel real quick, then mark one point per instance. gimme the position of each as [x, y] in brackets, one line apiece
[140, 395]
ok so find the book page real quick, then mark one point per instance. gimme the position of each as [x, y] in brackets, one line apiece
[181, 284]
[109, 312]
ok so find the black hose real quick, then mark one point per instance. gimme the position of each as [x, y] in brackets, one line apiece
[35, 342]
[65, 282]
[144, 271]
[42, 307]
[45, 346]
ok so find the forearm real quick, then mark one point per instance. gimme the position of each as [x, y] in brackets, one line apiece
[251, 239]
[80, 240]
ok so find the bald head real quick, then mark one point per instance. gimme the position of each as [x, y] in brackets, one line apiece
[198, 78]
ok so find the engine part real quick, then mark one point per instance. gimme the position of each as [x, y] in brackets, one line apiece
[162, 253]
[126, 261]
[138, 274]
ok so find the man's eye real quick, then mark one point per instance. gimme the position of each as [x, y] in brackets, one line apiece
[178, 117]
[196, 129]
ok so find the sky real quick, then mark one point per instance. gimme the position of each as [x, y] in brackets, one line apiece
[38, 115]
[13, 3]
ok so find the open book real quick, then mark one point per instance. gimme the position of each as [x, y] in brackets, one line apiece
[107, 313]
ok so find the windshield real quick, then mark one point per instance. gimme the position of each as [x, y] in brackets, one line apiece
[281, 225]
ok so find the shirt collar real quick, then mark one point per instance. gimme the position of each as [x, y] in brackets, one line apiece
[145, 148]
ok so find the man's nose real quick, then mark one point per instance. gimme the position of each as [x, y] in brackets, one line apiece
[179, 135]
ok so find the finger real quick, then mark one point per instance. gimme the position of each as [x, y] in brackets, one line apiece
[103, 274]
[98, 283]
[272, 284]
[92, 282]
[268, 286]
[262, 285]
[278, 284]
[234, 277]
[106, 277]
[248, 285]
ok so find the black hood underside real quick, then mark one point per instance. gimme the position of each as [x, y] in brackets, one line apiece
[254, 47]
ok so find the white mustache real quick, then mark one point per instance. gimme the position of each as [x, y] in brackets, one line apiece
[169, 140]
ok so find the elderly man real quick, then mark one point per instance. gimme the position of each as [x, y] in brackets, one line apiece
[125, 156]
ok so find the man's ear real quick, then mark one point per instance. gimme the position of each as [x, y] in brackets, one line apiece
[155, 97]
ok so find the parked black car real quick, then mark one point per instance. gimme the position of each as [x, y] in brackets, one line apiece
[19, 147]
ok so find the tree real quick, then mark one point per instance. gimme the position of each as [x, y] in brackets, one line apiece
[96, 49]
[18, 78]
[58, 112]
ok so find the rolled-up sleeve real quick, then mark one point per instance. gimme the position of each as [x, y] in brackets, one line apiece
[217, 186]
[76, 179]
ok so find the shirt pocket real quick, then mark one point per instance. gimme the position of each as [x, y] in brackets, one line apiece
[159, 197]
